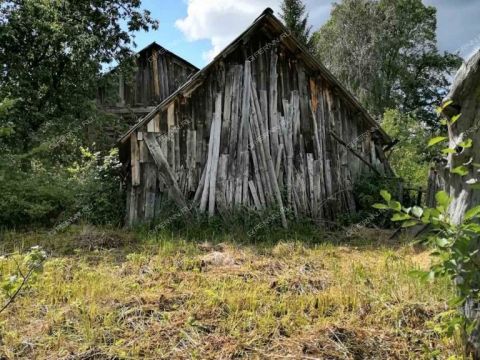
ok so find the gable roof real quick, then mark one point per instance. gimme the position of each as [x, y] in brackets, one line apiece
[266, 20]
[163, 50]
[166, 51]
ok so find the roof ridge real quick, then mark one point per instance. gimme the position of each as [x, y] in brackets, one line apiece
[266, 14]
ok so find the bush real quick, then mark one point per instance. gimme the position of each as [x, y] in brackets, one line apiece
[33, 194]
[101, 196]
[366, 193]
[33, 198]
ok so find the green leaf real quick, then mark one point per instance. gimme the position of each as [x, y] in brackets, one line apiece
[448, 151]
[417, 211]
[380, 206]
[455, 118]
[426, 217]
[442, 198]
[473, 227]
[385, 195]
[466, 144]
[475, 186]
[395, 205]
[437, 140]
[460, 170]
[470, 214]
[410, 223]
[440, 109]
[401, 217]
[442, 242]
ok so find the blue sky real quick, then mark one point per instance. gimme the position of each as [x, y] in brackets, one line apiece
[198, 29]
[167, 12]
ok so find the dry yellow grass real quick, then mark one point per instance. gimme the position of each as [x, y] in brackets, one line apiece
[174, 299]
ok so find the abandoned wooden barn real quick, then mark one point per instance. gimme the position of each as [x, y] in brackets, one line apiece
[264, 125]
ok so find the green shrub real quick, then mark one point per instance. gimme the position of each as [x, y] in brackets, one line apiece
[101, 194]
[34, 198]
[33, 194]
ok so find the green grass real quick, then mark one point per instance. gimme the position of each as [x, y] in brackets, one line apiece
[175, 296]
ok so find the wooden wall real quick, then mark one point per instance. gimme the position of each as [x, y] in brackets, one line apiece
[159, 73]
[261, 131]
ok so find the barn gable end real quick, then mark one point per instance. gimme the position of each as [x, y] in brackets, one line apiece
[158, 74]
[262, 126]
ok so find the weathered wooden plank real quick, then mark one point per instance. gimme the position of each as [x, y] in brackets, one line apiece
[311, 186]
[165, 171]
[353, 151]
[135, 160]
[221, 188]
[191, 158]
[273, 102]
[143, 152]
[217, 128]
[272, 175]
[133, 206]
[256, 167]
[227, 112]
[201, 186]
[261, 144]
[156, 80]
[255, 197]
[150, 176]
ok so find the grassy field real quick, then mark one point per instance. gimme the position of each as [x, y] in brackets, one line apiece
[113, 295]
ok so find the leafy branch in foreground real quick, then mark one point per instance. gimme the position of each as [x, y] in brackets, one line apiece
[456, 246]
[25, 267]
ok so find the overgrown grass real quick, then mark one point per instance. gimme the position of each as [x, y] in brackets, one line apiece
[205, 294]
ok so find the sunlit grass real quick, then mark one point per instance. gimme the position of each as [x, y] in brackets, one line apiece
[165, 296]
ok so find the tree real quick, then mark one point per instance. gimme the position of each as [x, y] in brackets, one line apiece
[408, 158]
[386, 52]
[51, 61]
[293, 14]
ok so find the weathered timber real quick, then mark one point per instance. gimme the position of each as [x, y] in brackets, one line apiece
[164, 170]
[353, 151]
[260, 127]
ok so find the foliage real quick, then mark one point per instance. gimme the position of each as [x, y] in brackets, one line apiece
[35, 197]
[456, 245]
[409, 157]
[365, 190]
[46, 194]
[294, 17]
[52, 56]
[14, 280]
[386, 53]
[101, 196]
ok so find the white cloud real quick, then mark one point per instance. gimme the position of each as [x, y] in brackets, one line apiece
[220, 21]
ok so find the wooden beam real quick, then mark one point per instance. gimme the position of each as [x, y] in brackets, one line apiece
[354, 152]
